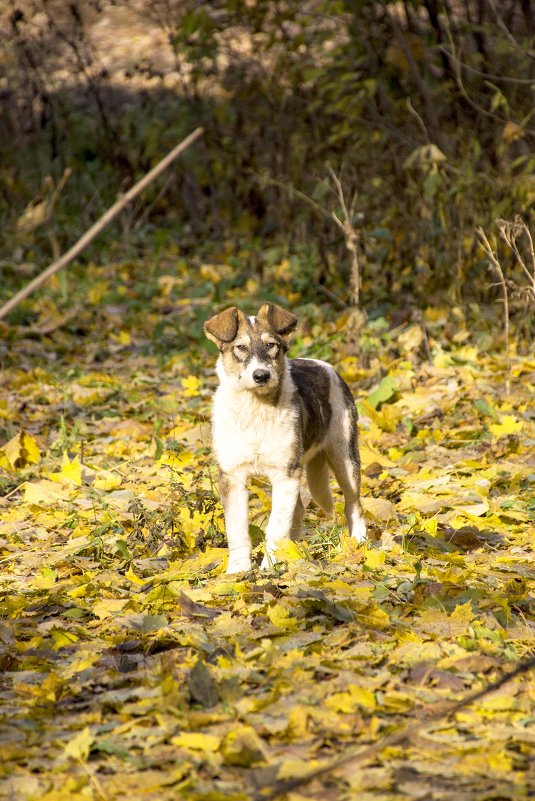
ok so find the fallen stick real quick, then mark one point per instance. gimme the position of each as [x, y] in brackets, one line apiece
[99, 226]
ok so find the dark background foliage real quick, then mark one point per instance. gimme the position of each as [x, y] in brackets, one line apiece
[423, 108]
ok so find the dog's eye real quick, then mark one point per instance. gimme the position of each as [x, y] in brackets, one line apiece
[272, 345]
[241, 348]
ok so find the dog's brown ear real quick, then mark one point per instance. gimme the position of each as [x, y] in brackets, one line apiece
[223, 327]
[280, 320]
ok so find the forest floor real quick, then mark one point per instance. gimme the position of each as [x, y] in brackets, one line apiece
[134, 668]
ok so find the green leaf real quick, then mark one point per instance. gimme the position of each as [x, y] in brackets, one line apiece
[384, 392]
[484, 408]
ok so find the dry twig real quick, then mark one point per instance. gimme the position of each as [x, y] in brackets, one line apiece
[495, 264]
[357, 319]
[350, 234]
[511, 232]
[351, 237]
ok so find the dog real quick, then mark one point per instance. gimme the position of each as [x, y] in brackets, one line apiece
[275, 416]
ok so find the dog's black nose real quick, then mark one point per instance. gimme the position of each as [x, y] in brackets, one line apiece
[261, 376]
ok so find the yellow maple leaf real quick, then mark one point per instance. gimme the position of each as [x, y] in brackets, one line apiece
[197, 741]
[462, 615]
[473, 509]
[369, 456]
[363, 697]
[87, 396]
[45, 580]
[130, 428]
[190, 386]
[124, 338]
[350, 369]
[379, 508]
[19, 452]
[500, 762]
[354, 697]
[375, 617]
[374, 559]
[179, 430]
[430, 526]
[411, 339]
[108, 607]
[498, 702]
[78, 592]
[507, 425]
[212, 558]
[107, 481]
[243, 747]
[85, 658]
[175, 460]
[297, 723]
[292, 768]
[131, 576]
[280, 616]
[389, 417]
[191, 524]
[79, 747]
[340, 702]
[44, 492]
[288, 551]
[70, 473]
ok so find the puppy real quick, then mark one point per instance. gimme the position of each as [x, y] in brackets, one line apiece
[274, 416]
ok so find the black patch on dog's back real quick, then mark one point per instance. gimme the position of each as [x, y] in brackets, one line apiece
[313, 382]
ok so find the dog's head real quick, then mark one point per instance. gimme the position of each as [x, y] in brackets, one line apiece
[252, 348]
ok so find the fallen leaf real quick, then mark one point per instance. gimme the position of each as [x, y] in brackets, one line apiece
[201, 685]
[70, 473]
[21, 451]
[507, 425]
[79, 747]
[197, 741]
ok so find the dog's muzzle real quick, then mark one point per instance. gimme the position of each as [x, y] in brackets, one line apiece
[261, 376]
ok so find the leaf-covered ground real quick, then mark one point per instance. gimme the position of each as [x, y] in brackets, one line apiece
[134, 668]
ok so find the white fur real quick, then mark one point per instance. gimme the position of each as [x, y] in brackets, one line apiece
[249, 435]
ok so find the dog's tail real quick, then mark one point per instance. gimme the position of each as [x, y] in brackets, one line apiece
[317, 471]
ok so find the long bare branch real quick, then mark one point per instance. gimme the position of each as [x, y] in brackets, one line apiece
[102, 223]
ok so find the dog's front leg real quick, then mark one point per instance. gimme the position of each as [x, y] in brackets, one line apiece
[285, 495]
[235, 499]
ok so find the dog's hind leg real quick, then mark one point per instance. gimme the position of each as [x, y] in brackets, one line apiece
[346, 469]
[317, 471]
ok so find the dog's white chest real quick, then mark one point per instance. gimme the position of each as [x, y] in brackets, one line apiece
[250, 435]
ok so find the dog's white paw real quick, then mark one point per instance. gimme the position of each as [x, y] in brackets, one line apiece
[358, 531]
[239, 565]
